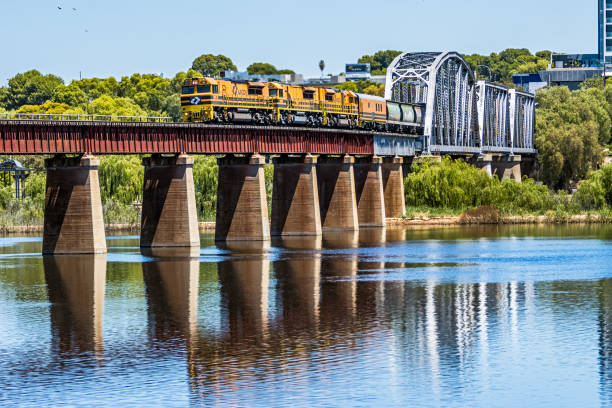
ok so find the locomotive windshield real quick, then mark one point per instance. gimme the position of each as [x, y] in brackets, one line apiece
[203, 88]
[188, 90]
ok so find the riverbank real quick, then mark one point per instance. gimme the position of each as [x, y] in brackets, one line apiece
[108, 228]
[472, 217]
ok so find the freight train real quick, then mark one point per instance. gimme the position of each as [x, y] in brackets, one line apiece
[271, 103]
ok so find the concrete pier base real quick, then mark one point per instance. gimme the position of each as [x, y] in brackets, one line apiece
[369, 192]
[242, 210]
[484, 162]
[393, 186]
[295, 197]
[169, 217]
[337, 199]
[73, 222]
[508, 167]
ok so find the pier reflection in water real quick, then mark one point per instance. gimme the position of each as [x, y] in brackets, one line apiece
[344, 319]
[76, 286]
[171, 284]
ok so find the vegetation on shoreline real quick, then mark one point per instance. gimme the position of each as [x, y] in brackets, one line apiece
[448, 188]
[121, 179]
[452, 187]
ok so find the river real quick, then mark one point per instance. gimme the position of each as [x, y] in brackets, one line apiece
[512, 316]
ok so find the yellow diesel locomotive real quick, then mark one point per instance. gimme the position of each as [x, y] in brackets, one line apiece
[272, 103]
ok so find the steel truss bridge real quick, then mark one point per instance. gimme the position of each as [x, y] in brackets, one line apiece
[462, 115]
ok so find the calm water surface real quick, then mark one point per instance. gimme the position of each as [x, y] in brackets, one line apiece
[466, 317]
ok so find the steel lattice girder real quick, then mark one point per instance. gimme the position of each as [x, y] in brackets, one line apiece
[460, 113]
[445, 82]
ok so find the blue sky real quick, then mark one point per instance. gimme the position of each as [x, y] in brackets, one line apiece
[162, 36]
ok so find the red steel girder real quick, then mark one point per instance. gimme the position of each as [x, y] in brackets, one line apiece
[51, 137]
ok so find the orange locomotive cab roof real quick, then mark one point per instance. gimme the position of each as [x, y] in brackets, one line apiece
[209, 81]
[200, 81]
[257, 84]
[274, 85]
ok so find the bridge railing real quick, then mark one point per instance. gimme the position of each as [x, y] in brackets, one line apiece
[81, 117]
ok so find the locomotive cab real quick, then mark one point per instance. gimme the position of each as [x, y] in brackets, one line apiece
[197, 97]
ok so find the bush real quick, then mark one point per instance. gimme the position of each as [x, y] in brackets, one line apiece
[595, 193]
[205, 178]
[457, 185]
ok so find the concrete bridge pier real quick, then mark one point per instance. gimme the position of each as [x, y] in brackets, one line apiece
[393, 186]
[73, 222]
[370, 196]
[484, 162]
[337, 199]
[295, 197]
[169, 217]
[508, 167]
[242, 210]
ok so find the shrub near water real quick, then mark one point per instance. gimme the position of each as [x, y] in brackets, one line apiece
[457, 185]
[595, 193]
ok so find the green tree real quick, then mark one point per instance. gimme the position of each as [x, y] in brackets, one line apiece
[47, 108]
[4, 95]
[31, 88]
[285, 71]
[96, 87]
[211, 65]
[121, 178]
[500, 67]
[261, 68]
[107, 105]
[569, 129]
[172, 107]
[379, 61]
[70, 95]
[205, 173]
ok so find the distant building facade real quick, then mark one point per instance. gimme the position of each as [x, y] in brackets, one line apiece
[358, 72]
[604, 32]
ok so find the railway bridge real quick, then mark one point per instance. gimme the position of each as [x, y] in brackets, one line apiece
[324, 178]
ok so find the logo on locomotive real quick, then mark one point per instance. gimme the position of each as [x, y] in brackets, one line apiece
[236, 91]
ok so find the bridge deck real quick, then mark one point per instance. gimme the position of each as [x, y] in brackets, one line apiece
[51, 137]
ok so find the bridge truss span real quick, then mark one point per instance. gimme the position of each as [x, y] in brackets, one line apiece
[445, 83]
[462, 115]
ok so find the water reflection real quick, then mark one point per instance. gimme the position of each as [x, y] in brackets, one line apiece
[605, 341]
[298, 277]
[338, 283]
[244, 281]
[171, 284]
[75, 286]
[362, 318]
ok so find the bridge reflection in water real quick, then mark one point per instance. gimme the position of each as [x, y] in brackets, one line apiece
[305, 308]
